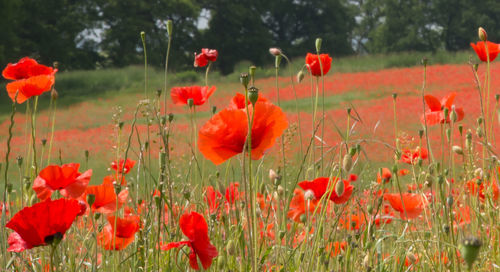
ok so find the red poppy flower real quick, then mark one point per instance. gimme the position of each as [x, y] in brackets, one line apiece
[31, 79]
[105, 198]
[493, 49]
[386, 175]
[206, 55]
[313, 64]
[224, 135]
[232, 193]
[298, 206]
[238, 101]
[414, 204]
[473, 188]
[129, 164]
[194, 226]
[336, 248]
[65, 178]
[404, 172]
[200, 95]
[411, 156]
[320, 186]
[434, 112]
[41, 223]
[126, 228]
[213, 198]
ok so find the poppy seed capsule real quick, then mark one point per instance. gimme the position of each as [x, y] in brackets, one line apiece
[244, 79]
[253, 95]
[143, 36]
[347, 163]
[470, 250]
[90, 199]
[251, 71]
[481, 33]
[453, 115]
[190, 102]
[275, 51]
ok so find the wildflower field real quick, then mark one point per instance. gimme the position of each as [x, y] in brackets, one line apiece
[311, 169]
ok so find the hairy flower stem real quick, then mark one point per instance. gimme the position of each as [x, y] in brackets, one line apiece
[33, 137]
[425, 117]
[52, 128]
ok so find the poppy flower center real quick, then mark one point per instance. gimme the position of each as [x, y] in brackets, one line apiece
[53, 239]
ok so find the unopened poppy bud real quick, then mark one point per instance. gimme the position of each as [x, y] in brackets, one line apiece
[347, 163]
[280, 190]
[282, 234]
[44, 142]
[319, 41]
[478, 173]
[395, 168]
[470, 250]
[253, 95]
[143, 36]
[369, 209]
[214, 109]
[19, 161]
[303, 218]
[349, 111]
[158, 92]
[453, 115]
[231, 248]
[446, 228]
[481, 33]
[394, 96]
[54, 94]
[163, 120]
[476, 66]
[244, 79]
[9, 188]
[468, 139]
[449, 201]
[272, 175]
[187, 194]
[170, 117]
[339, 188]
[277, 61]
[479, 132]
[457, 149]
[120, 125]
[480, 121]
[90, 199]
[497, 97]
[448, 134]
[420, 133]
[309, 195]
[275, 51]
[460, 129]
[170, 26]
[190, 102]
[441, 179]
[300, 76]
[352, 151]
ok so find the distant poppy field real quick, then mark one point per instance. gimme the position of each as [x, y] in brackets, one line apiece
[309, 170]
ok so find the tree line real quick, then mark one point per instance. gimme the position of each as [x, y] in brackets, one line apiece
[88, 34]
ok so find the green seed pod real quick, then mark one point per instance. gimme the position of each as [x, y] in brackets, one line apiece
[300, 76]
[453, 115]
[352, 151]
[170, 117]
[303, 218]
[394, 96]
[369, 208]
[420, 133]
[190, 102]
[448, 134]
[449, 201]
[425, 61]
[457, 150]
[470, 250]
[90, 199]
[214, 109]
[19, 159]
[460, 129]
[158, 92]
[251, 71]
[479, 132]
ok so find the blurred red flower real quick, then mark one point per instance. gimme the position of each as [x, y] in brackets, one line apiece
[298, 206]
[313, 65]
[411, 156]
[206, 55]
[238, 101]
[480, 48]
[224, 135]
[200, 95]
[194, 226]
[213, 198]
[41, 223]
[31, 79]
[435, 109]
[320, 186]
[126, 227]
[129, 164]
[386, 175]
[65, 178]
[414, 204]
